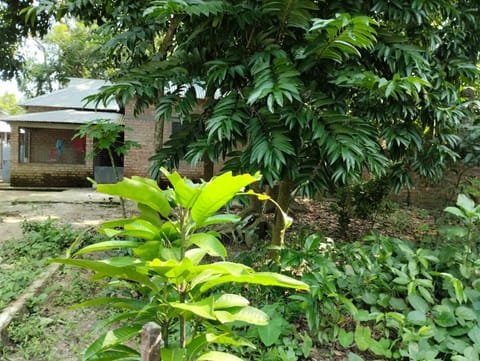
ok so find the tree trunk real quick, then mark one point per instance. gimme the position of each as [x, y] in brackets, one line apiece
[117, 178]
[283, 200]
[159, 126]
[208, 168]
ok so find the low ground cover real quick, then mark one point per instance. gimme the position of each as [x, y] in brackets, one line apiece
[407, 291]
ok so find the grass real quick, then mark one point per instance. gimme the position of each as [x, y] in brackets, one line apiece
[49, 330]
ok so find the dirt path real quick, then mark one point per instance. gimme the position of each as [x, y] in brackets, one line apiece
[77, 206]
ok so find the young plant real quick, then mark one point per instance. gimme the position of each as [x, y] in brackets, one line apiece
[105, 135]
[175, 284]
[468, 213]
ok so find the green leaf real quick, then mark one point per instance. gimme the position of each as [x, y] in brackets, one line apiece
[354, 357]
[203, 308]
[247, 314]
[418, 303]
[465, 202]
[465, 313]
[141, 190]
[217, 193]
[186, 193]
[474, 335]
[270, 333]
[229, 300]
[363, 337]
[345, 338]
[103, 268]
[444, 316]
[209, 243]
[417, 317]
[260, 278]
[218, 356]
[110, 339]
[175, 354]
[221, 218]
[102, 246]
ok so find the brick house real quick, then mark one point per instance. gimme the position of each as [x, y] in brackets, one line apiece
[44, 154]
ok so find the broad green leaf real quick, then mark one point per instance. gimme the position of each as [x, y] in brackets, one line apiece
[465, 313]
[111, 338]
[229, 300]
[417, 317]
[465, 202]
[227, 339]
[102, 246]
[474, 334]
[345, 338]
[176, 354]
[127, 273]
[195, 255]
[126, 303]
[218, 356]
[354, 357]
[149, 250]
[260, 278]
[455, 211]
[217, 193]
[363, 337]
[418, 303]
[247, 314]
[221, 218]
[444, 316]
[209, 243]
[270, 333]
[203, 308]
[186, 194]
[141, 190]
[150, 215]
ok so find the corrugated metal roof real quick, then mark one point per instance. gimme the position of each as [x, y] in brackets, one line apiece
[68, 116]
[4, 127]
[72, 96]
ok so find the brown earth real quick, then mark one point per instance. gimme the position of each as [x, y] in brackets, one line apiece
[78, 206]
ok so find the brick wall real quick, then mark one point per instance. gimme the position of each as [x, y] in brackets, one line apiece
[143, 125]
[39, 174]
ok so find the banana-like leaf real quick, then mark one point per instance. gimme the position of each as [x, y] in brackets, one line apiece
[217, 193]
[141, 190]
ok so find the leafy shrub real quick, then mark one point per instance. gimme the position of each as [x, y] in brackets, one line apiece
[387, 298]
[364, 200]
[168, 276]
[40, 239]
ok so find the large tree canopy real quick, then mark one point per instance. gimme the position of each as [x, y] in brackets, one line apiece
[14, 30]
[312, 92]
[69, 49]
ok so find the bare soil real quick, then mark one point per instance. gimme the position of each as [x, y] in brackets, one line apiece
[79, 207]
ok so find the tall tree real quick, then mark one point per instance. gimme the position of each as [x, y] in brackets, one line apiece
[69, 49]
[312, 92]
[14, 30]
[8, 104]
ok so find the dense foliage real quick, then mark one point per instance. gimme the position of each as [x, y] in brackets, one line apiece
[169, 276]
